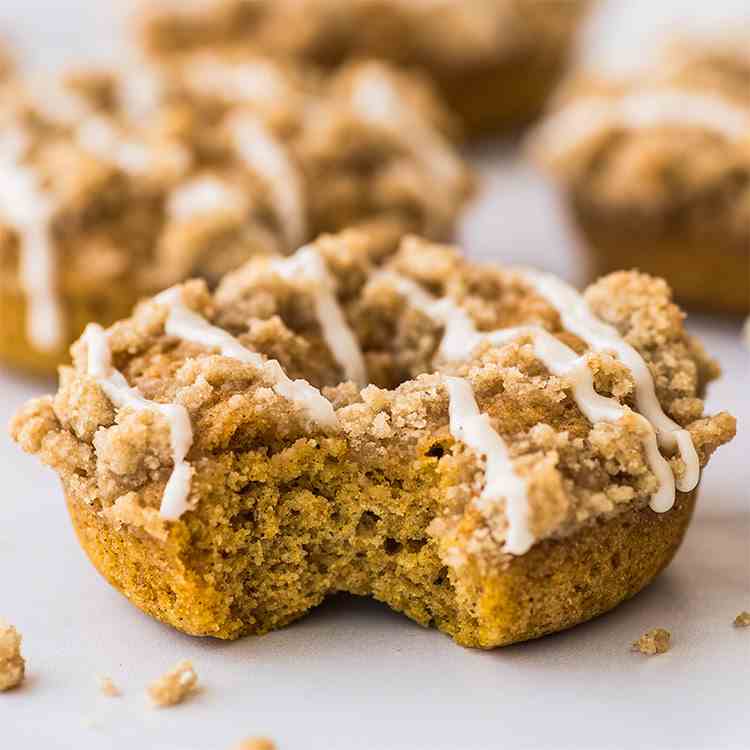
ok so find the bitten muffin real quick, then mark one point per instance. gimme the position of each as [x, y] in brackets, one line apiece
[483, 449]
[118, 186]
[655, 170]
[495, 61]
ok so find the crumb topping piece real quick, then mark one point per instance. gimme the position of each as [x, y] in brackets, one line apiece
[742, 620]
[256, 743]
[107, 687]
[656, 641]
[174, 686]
[12, 664]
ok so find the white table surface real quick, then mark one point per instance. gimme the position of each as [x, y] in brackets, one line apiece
[354, 674]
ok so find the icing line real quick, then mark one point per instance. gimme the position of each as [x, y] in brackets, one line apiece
[267, 156]
[188, 325]
[339, 337]
[30, 212]
[176, 494]
[574, 124]
[376, 100]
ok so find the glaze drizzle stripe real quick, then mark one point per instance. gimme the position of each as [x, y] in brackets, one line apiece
[339, 337]
[175, 500]
[377, 101]
[266, 156]
[474, 429]
[568, 128]
[187, 325]
[29, 210]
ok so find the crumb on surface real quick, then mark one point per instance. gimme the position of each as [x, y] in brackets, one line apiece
[174, 686]
[742, 620]
[108, 687]
[12, 664]
[656, 641]
[256, 743]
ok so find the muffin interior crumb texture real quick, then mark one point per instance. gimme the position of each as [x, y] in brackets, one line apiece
[174, 686]
[656, 641]
[230, 496]
[12, 664]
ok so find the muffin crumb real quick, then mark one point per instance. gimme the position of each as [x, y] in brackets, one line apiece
[256, 743]
[742, 620]
[108, 688]
[12, 664]
[174, 686]
[656, 641]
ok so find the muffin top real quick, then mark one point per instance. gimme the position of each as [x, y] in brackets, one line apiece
[547, 409]
[672, 138]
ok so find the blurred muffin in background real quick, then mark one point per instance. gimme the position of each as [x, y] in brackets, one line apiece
[118, 185]
[494, 61]
[655, 169]
[7, 63]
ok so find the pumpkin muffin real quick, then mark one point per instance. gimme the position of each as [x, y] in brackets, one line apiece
[655, 170]
[483, 449]
[494, 61]
[122, 185]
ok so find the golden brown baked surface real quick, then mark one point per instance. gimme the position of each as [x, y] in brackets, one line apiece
[388, 499]
[122, 185]
[656, 170]
[475, 52]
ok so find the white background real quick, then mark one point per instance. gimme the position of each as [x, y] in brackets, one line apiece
[353, 674]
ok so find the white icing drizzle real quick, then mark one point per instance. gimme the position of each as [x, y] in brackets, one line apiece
[377, 101]
[30, 210]
[308, 263]
[140, 91]
[577, 317]
[205, 195]
[255, 82]
[585, 118]
[187, 325]
[175, 500]
[266, 156]
[475, 430]
[101, 137]
[55, 101]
